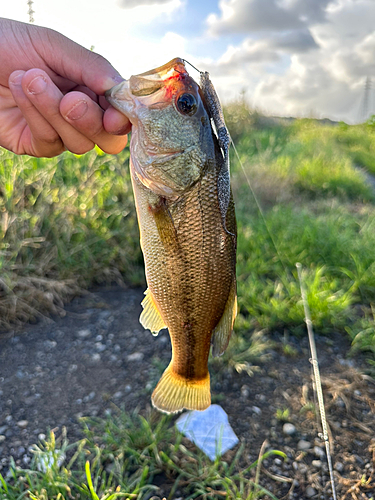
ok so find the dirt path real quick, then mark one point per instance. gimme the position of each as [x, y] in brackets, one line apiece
[99, 355]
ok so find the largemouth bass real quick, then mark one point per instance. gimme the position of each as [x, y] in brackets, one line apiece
[185, 209]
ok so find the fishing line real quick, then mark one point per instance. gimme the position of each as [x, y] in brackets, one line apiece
[314, 359]
[287, 271]
[196, 69]
[318, 382]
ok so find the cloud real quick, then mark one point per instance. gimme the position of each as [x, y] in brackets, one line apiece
[358, 61]
[305, 91]
[143, 12]
[309, 11]
[255, 55]
[244, 16]
[299, 57]
[249, 16]
[157, 53]
[248, 53]
[294, 41]
[326, 83]
[130, 4]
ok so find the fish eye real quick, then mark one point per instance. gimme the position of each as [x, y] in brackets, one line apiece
[187, 104]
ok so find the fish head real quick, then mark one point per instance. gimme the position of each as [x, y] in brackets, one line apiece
[172, 138]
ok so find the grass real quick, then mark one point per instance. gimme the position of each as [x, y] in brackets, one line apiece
[122, 457]
[69, 223]
[283, 414]
[65, 224]
[317, 209]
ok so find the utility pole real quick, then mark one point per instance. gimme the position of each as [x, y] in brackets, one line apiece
[30, 11]
[365, 107]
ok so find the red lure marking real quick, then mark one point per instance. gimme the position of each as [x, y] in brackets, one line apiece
[171, 83]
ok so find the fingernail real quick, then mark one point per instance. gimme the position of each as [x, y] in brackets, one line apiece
[118, 79]
[77, 111]
[112, 81]
[122, 131]
[17, 78]
[37, 86]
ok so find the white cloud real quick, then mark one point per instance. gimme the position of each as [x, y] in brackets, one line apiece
[244, 16]
[249, 16]
[309, 11]
[130, 4]
[315, 60]
[141, 12]
[248, 52]
[255, 56]
[304, 90]
[145, 54]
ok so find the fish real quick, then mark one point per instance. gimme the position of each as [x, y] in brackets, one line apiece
[179, 168]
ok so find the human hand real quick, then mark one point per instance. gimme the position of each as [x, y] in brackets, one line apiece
[51, 95]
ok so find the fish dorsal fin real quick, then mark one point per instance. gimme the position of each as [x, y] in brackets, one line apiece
[150, 317]
[223, 330]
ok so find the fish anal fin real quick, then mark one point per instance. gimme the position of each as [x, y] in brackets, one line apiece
[175, 393]
[150, 317]
[223, 330]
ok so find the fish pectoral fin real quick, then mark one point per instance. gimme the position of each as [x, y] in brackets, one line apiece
[223, 330]
[150, 317]
[165, 225]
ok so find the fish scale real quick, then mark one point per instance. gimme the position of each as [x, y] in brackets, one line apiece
[188, 242]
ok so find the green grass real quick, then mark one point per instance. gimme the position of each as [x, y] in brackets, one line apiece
[80, 209]
[70, 222]
[318, 209]
[65, 223]
[122, 456]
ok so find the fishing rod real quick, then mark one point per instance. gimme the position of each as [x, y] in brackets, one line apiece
[318, 383]
[310, 331]
[314, 359]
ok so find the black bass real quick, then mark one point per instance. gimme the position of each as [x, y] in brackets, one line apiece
[180, 175]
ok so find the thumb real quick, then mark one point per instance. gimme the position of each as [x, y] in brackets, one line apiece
[97, 73]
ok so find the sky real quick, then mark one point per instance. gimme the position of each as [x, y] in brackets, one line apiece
[287, 57]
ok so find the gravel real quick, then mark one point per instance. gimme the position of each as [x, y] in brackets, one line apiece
[98, 358]
[303, 445]
[310, 492]
[289, 429]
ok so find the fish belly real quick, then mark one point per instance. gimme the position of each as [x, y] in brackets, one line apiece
[190, 271]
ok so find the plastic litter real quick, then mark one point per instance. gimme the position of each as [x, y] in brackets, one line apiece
[209, 430]
[47, 459]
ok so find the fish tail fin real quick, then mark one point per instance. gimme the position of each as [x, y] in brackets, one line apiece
[174, 393]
